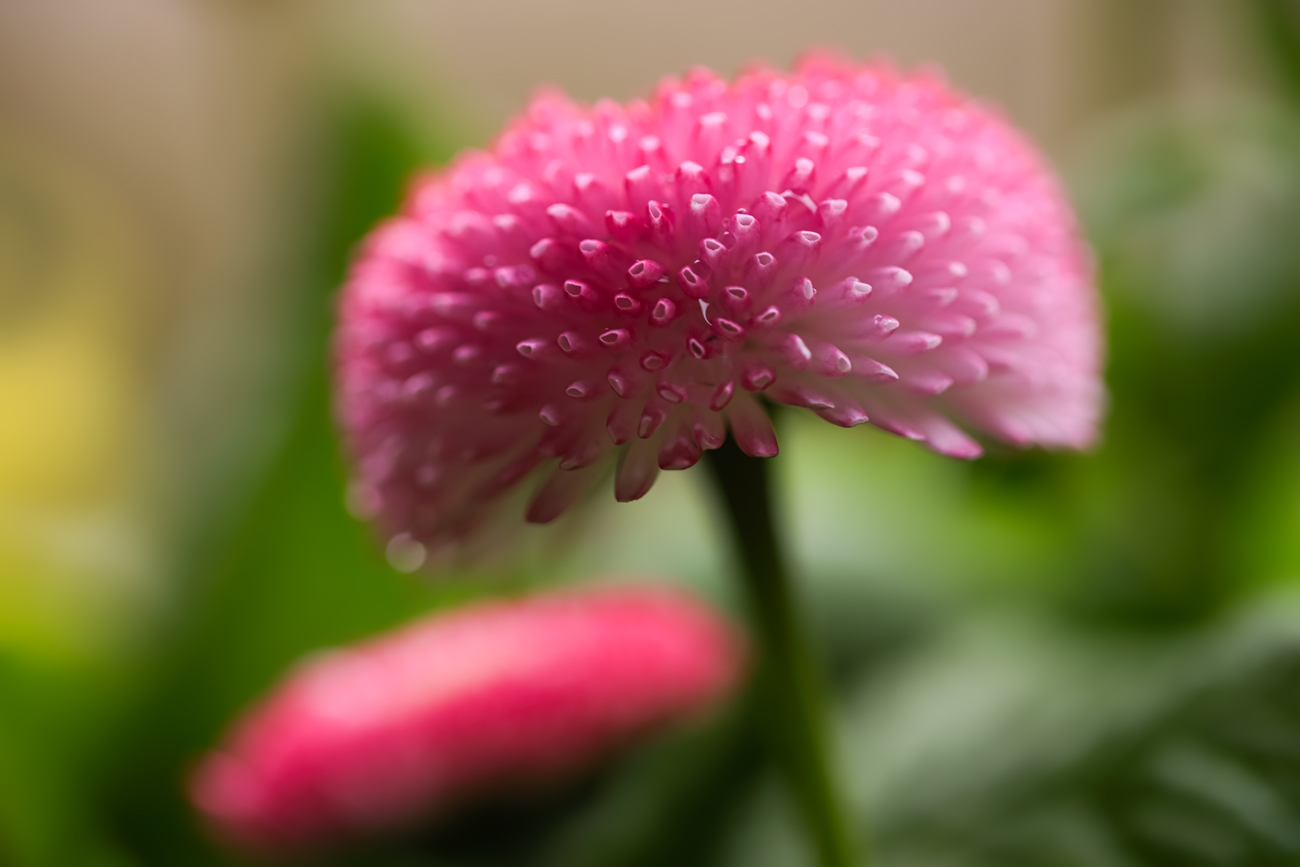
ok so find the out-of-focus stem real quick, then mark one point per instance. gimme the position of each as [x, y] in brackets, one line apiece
[789, 681]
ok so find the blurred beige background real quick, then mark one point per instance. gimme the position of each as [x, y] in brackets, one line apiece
[157, 164]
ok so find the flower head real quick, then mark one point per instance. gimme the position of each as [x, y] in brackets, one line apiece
[503, 695]
[632, 278]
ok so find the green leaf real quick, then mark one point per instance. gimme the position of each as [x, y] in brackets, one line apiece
[1016, 741]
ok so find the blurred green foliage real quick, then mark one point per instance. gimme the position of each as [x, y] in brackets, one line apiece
[294, 572]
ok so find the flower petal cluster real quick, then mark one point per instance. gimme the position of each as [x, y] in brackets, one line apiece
[636, 279]
[496, 696]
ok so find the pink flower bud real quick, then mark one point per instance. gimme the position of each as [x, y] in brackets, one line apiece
[499, 696]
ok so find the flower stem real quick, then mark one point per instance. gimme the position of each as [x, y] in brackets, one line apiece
[788, 677]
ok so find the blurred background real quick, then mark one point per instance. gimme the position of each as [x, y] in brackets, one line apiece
[1036, 659]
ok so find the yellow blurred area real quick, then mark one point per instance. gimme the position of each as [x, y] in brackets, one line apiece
[148, 167]
[67, 442]
[70, 437]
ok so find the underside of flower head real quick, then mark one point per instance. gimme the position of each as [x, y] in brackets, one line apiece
[633, 281]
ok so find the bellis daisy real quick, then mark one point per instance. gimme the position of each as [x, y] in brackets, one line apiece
[497, 696]
[633, 281]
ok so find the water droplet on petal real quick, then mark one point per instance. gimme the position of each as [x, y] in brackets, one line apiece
[404, 553]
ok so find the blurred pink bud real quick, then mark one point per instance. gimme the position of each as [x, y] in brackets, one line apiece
[628, 278]
[496, 697]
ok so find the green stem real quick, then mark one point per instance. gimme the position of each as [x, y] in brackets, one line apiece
[788, 677]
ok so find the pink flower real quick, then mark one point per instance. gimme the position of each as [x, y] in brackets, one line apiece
[631, 278]
[502, 695]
